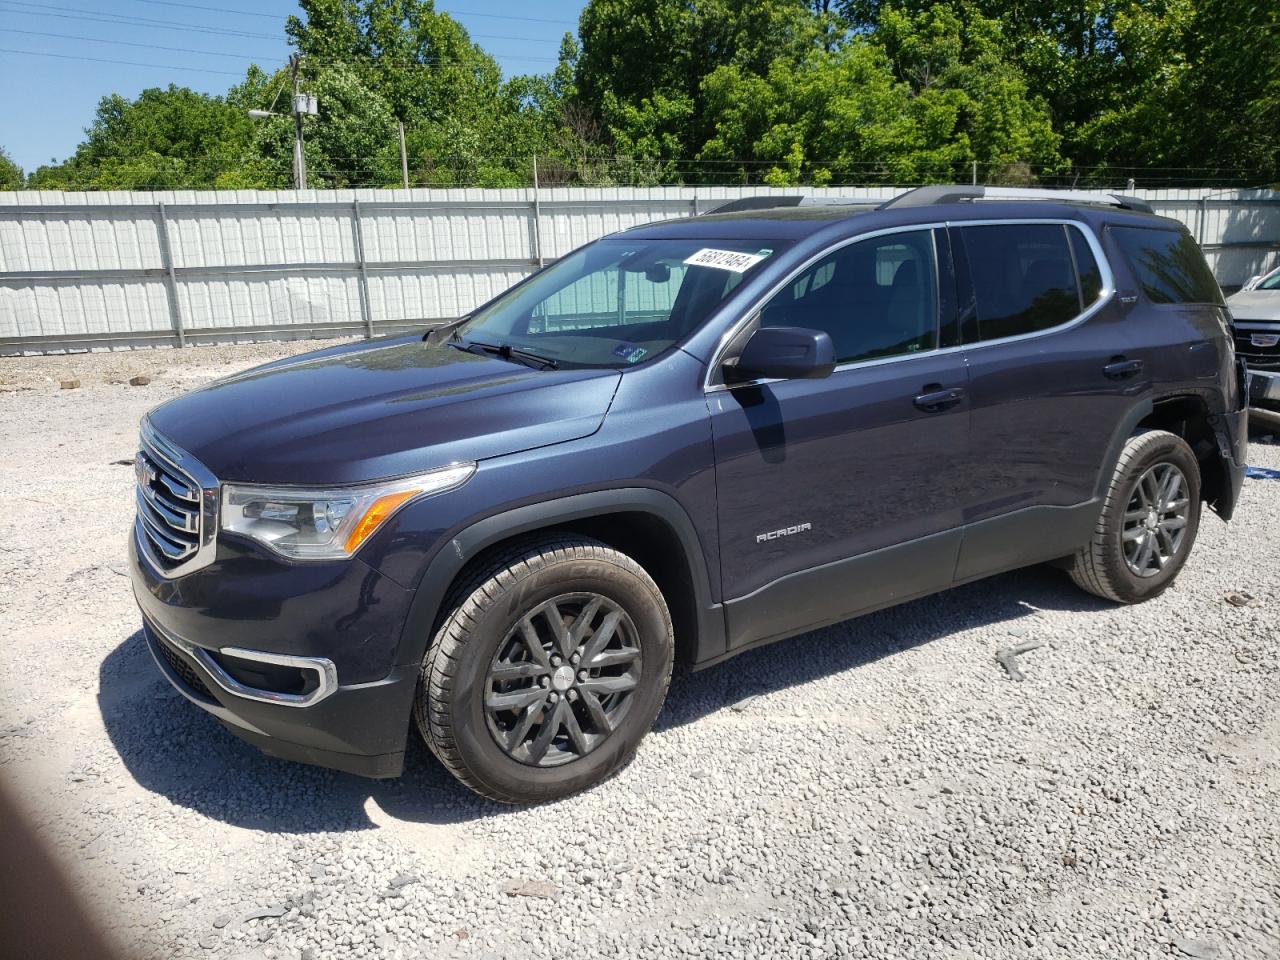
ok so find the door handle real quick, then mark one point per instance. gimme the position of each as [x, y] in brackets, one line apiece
[935, 401]
[1121, 368]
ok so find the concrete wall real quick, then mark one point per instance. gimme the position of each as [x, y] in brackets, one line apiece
[99, 270]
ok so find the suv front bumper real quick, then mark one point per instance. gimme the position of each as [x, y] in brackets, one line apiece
[207, 646]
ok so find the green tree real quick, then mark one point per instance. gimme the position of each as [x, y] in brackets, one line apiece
[1198, 88]
[463, 123]
[918, 100]
[11, 177]
[643, 63]
[957, 64]
[1232, 91]
[165, 138]
[351, 143]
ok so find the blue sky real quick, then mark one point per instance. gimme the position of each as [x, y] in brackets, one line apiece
[52, 72]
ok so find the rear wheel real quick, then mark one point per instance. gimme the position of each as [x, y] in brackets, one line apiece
[1148, 521]
[550, 665]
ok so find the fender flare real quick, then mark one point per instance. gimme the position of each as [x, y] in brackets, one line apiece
[469, 542]
[1140, 411]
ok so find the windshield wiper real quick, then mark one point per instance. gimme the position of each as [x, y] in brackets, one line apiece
[507, 352]
[436, 335]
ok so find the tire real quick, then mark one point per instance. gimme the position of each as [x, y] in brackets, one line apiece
[1103, 567]
[485, 654]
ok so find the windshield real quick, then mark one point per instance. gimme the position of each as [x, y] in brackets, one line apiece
[1271, 281]
[616, 302]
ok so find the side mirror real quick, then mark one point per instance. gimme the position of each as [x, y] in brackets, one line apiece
[785, 353]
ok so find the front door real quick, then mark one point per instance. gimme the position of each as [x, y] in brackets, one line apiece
[841, 494]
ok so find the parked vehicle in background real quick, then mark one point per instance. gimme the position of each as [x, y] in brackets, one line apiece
[1255, 313]
[675, 444]
[1261, 278]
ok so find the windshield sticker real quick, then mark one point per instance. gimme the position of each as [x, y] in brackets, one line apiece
[733, 260]
[629, 352]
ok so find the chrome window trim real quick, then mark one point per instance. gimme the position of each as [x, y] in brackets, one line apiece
[181, 462]
[1105, 294]
[324, 669]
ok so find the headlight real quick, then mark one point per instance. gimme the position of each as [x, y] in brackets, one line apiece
[326, 524]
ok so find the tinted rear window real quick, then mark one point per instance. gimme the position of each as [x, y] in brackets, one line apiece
[1167, 265]
[1023, 277]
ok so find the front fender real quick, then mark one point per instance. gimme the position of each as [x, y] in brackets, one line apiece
[470, 542]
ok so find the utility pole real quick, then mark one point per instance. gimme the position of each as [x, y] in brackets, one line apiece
[404, 158]
[537, 215]
[299, 155]
[304, 104]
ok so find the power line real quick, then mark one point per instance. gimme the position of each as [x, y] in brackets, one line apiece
[264, 58]
[274, 63]
[132, 43]
[87, 14]
[691, 164]
[127, 63]
[201, 6]
[279, 16]
[78, 14]
[503, 16]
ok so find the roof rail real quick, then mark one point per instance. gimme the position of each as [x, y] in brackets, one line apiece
[772, 203]
[943, 193]
[756, 203]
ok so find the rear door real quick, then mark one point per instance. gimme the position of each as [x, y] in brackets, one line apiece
[1053, 372]
[1179, 314]
[862, 464]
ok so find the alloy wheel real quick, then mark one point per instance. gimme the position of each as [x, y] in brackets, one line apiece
[1155, 519]
[562, 679]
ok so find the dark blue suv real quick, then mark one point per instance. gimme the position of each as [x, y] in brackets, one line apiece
[674, 444]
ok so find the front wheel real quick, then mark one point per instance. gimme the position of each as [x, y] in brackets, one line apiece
[549, 667]
[1148, 521]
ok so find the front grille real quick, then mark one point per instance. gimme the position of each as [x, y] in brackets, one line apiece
[1263, 355]
[169, 508]
[184, 670]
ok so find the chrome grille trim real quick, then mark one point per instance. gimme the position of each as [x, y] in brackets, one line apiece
[187, 521]
[177, 507]
[322, 668]
[162, 538]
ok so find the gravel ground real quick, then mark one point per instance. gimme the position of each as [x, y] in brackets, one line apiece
[875, 789]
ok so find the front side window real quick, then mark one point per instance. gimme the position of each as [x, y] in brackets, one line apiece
[876, 297]
[616, 302]
[1023, 277]
[1167, 265]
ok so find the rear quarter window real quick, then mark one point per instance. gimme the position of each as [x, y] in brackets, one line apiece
[1167, 264]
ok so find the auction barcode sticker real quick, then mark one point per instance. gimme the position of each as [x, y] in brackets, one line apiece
[724, 259]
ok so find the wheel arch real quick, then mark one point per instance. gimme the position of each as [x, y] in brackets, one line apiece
[648, 525]
[1189, 416]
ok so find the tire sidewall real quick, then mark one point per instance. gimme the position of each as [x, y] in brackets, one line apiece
[1165, 448]
[486, 761]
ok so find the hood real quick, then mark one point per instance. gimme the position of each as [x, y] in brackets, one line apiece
[1255, 305]
[379, 409]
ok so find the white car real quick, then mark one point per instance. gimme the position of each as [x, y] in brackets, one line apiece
[1268, 281]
